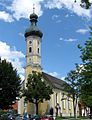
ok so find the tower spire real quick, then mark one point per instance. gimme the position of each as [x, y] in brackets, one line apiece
[33, 29]
[33, 8]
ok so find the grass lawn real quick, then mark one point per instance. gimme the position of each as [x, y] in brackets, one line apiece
[67, 118]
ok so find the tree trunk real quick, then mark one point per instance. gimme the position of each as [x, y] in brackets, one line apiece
[36, 107]
[80, 110]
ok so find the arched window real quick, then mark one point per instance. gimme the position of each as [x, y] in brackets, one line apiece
[38, 50]
[30, 49]
[63, 101]
[29, 59]
[69, 103]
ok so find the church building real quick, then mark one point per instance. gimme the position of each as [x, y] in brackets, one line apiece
[61, 103]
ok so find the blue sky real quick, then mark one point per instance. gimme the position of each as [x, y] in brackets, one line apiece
[64, 25]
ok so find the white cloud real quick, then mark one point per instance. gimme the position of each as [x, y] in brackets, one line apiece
[54, 4]
[55, 17]
[55, 74]
[13, 56]
[70, 5]
[6, 16]
[62, 78]
[23, 8]
[70, 40]
[82, 31]
[60, 38]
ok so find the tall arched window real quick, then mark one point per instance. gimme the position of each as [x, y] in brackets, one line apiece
[38, 50]
[63, 101]
[30, 49]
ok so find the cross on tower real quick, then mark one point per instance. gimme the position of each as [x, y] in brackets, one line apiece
[33, 8]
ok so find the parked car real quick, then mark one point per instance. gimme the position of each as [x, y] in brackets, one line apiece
[47, 117]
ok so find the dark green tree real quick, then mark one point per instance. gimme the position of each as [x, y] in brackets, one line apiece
[73, 89]
[86, 72]
[80, 79]
[37, 90]
[9, 84]
[85, 4]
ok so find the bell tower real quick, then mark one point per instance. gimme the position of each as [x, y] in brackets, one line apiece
[33, 46]
[33, 38]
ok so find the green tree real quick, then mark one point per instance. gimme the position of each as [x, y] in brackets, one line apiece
[80, 79]
[9, 84]
[86, 72]
[37, 90]
[73, 89]
[85, 4]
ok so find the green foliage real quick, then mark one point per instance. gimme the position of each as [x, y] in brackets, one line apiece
[80, 79]
[86, 72]
[36, 89]
[85, 4]
[2, 112]
[72, 78]
[73, 89]
[4, 117]
[9, 84]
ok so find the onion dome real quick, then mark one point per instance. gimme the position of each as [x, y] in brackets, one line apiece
[33, 16]
[33, 29]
